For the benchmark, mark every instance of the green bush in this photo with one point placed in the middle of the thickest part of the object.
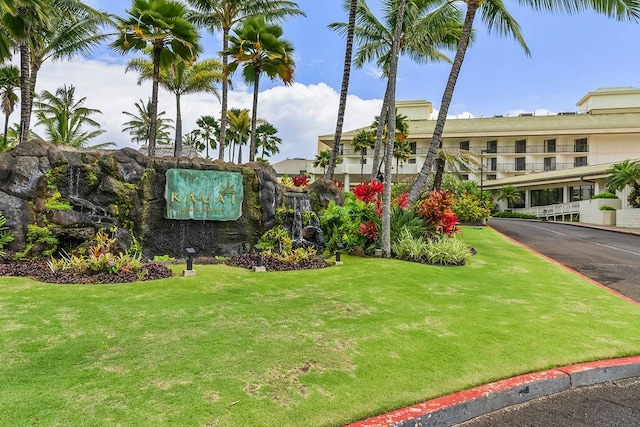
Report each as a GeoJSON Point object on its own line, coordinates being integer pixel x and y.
{"type": "Point", "coordinates": [513, 215]}
{"type": "Point", "coordinates": [405, 220]}
{"type": "Point", "coordinates": [447, 251]}
{"type": "Point", "coordinates": [607, 208]}
{"type": "Point", "coordinates": [409, 247]}
{"type": "Point", "coordinates": [341, 224]}
{"type": "Point", "coordinates": [469, 208]}
{"type": "Point", "coordinates": [5, 235]}
{"type": "Point", "coordinates": [605, 195]}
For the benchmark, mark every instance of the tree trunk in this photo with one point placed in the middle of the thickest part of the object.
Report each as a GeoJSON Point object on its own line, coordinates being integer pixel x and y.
{"type": "Point", "coordinates": [375, 166]}
{"type": "Point", "coordinates": [4, 135]}
{"type": "Point", "coordinates": [153, 114]}
{"type": "Point", "coordinates": [346, 73]}
{"type": "Point", "coordinates": [177, 147]}
{"type": "Point", "coordinates": [254, 116]}
{"type": "Point", "coordinates": [437, 178]}
{"type": "Point", "coordinates": [391, 136]}
{"type": "Point", "coordinates": [25, 92]}
{"type": "Point", "coordinates": [436, 141]}
{"type": "Point", "coordinates": [225, 94]}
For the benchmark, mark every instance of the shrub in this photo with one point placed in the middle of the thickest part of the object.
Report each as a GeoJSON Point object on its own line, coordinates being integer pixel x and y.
{"type": "Point", "coordinates": [436, 210]}
{"type": "Point", "coordinates": [506, 214]}
{"type": "Point", "coordinates": [341, 224]}
{"type": "Point", "coordinates": [469, 208]}
{"type": "Point", "coordinates": [607, 208]}
{"type": "Point", "coordinates": [605, 195]}
{"type": "Point", "coordinates": [276, 239]}
{"type": "Point", "coordinates": [300, 180]}
{"type": "Point", "coordinates": [410, 247]}
{"type": "Point", "coordinates": [5, 235]}
{"type": "Point", "coordinates": [447, 251]}
{"type": "Point", "coordinates": [406, 220]}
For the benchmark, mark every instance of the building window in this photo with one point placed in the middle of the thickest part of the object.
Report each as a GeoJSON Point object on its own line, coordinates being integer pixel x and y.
{"type": "Point", "coordinates": [521, 163]}
{"type": "Point", "coordinates": [580, 161]}
{"type": "Point", "coordinates": [583, 192]}
{"type": "Point", "coordinates": [413, 147]}
{"type": "Point", "coordinates": [464, 145]}
{"type": "Point", "coordinates": [411, 161]}
{"type": "Point", "coordinates": [521, 146]}
{"type": "Point", "coordinates": [549, 145]}
{"type": "Point", "coordinates": [520, 203]}
{"type": "Point", "coordinates": [492, 177]}
{"type": "Point", "coordinates": [549, 196]}
{"type": "Point", "coordinates": [549, 163]}
{"type": "Point", "coordinates": [580, 145]}
{"type": "Point", "coordinates": [492, 164]}
{"type": "Point", "coordinates": [492, 147]}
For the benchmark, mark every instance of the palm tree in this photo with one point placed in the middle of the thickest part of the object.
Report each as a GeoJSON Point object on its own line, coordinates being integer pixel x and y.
{"type": "Point", "coordinates": [267, 139]}
{"type": "Point", "coordinates": [139, 125]}
{"type": "Point", "coordinates": [258, 48]}
{"type": "Point", "coordinates": [181, 78]}
{"type": "Point", "coordinates": [364, 139]}
{"type": "Point", "coordinates": [344, 89]}
{"type": "Point", "coordinates": [624, 174]}
{"type": "Point", "coordinates": [497, 18]}
{"type": "Point", "coordinates": [64, 118]}
{"type": "Point", "coordinates": [459, 160]}
{"type": "Point", "coordinates": [158, 27]}
{"type": "Point", "coordinates": [9, 82]}
{"type": "Point", "coordinates": [224, 15]}
{"type": "Point", "coordinates": [239, 130]}
{"type": "Point", "coordinates": [322, 160]}
{"type": "Point", "coordinates": [208, 128]}
{"type": "Point", "coordinates": [509, 193]}
{"type": "Point", "coordinates": [401, 133]}
{"type": "Point", "coordinates": [401, 152]}
{"type": "Point", "coordinates": [427, 26]}
{"type": "Point", "coordinates": [53, 29]}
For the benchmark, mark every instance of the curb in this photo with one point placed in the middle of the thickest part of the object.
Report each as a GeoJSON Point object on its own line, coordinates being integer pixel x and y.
{"type": "Point", "coordinates": [467, 404]}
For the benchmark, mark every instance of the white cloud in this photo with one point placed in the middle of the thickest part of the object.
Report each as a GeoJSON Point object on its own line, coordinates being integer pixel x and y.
{"type": "Point", "coordinates": [300, 112]}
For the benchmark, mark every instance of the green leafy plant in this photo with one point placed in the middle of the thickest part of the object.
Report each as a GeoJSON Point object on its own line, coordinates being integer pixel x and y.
{"type": "Point", "coordinates": [469, 208]}
{"type": "Point", "coordinates": [5, 235]}
{"type": "Point", "coordinates": [406, 220]}
{"type": "Point", "coordinates": [447, 251]}
{"type": "Point", "coordinates": [607, 208]}
{"type": "Point", "coordinates": [605, 195]}
{"type": "Point", "coordinates": [56, 203]}
{"type": "Point", "coordinates": [276, 239]}
{"type": "Point", "coordinates": [409, 247]}
{"type": "Point", "coordinates": [163, 258]}
{"type": "Point", "coordinates": [42, 236]}
{"type": "Point", "coordinates": [513, 215]}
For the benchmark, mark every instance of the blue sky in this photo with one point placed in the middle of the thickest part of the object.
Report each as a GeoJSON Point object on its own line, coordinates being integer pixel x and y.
{"type": "Point", "coordinates": [570, 56]}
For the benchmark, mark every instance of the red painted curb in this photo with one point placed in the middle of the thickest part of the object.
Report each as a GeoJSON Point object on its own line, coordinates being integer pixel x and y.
{"type": "Point", "coordinates": [425, 408]}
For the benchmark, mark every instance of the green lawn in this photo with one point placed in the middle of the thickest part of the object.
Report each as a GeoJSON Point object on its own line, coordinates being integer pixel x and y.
{"type": "Point", "coordinates": [230, 347]}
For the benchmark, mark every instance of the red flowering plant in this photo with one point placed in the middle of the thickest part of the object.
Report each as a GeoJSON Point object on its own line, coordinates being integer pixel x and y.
{"type": "Point", "coordinates": [436, 210]}
{"type": "Point", "coordinates": [340, 184]}
{"type": "Point", "coordinates": [300, 180]}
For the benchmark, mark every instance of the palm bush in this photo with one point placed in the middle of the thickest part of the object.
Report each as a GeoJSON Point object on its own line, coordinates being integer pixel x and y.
{"type": "Point", "coordinates": [406, 220]}
{"type": "Point", "coordinates": [624, 174]}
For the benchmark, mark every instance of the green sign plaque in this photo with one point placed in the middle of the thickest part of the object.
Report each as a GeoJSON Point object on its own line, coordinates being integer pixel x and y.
{"type": "Point", "coordinates": [204, 195]}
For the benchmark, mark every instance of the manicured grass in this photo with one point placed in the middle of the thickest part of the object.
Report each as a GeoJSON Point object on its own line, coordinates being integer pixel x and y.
{"type": "Point", "coordinates": [231, 347]}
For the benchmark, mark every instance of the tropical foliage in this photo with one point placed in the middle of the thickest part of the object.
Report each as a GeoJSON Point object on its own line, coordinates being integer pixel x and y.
{"type": "Point", "coordinates": [139, 125]}
{"type": "Point", "coordinates": [5, 235]}
{"type": "Point", "coordinates": [9, 82]}
{"type": "Point", "coordinates": [623, 174]}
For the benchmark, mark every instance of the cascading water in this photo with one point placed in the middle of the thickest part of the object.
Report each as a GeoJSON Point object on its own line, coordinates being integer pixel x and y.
{"type": "Point", "coordinates": [302, 234]}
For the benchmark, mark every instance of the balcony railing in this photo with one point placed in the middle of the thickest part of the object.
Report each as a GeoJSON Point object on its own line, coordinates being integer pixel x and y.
{"type": "Point", "coordinates": [552, 211]}
{"type": "Point", "coordinates": [530, 167]}
{"type": "Point", "coordinates": [531, 149]}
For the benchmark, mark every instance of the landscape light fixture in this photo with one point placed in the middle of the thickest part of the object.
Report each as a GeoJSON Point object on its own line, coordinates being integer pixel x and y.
{"type": "Point", "coordinates": [259, 267]}
{"type": "Point", "coordinates": [339, 247]}
{"type": "Point", "coordinates": [190, 252]}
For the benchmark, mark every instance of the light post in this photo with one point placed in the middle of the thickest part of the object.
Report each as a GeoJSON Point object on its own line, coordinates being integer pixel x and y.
{"type": "Point", "coordinates": [259, 268]}
{"type": "Point", "coordinates": [339, 247]}
{"type": "Point", "coordinates": [189, 271]}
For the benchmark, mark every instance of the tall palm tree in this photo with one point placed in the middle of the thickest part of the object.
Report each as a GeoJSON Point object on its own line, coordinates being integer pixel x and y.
{"type": "Point", "coordinates": [344, 89]}
{"type": "Point", "coordinates": [65, 119]}
{"type": "Point", "coordinates": [181, 78]}
{"type": "Point", "coordinates": [224, 15]}
{"type": "Point", "coordinates": [158, 27]}
{"type": "Point", "coordinates": [322, 160]}
{"type": "Point", "coordinates": [427, 27]}
{"type": "Point", "coordinates": [208, 129]}
{"type": "Point", "coordinates": [267, 139]}
{"type": "Point", "coordinates": [401, 152]}
{"type": "Point", "coordinates": [139, 124]}
{"type": "Point", "coordinates": [509, 193]}
{"type": "Point", "coordinates": [497, 18]}
{"type": "Point", "coordinates": [364, 139]}
{"type": "Point", "coordinates": [53, 29]}
{"type": "Point", "coordinates": [401, 133]}
{"type": "Point", "coordinates": [624, 174]}
{"type": "Point", "coordinates": [259, 49]}
{"type": "Point", "coordinates": [239, 123]}
{"type": "Point", "coordinates": [9, 82]}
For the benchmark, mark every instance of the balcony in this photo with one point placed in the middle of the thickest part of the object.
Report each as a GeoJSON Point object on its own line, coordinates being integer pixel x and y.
{"type": "Point", "coordinates": [530, 167]}
{"type": "Point", "coordinates": [532, 149]}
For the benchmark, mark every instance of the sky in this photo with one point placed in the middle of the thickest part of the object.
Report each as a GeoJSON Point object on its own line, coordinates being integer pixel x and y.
{"type": "Point", "coordinates": [571, 55]}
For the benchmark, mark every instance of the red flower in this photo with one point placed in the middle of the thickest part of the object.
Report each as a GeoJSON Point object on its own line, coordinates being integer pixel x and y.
{"type": "Point", "coordinates": [369, 230]}
{"type": "Point", "coordinates": [300, 180]}
{"type": "Point", "coordinates": [402, 201]}
{"type": "Point", "coordinates": [339, 184]}
{"type": "Point", "coordinates": [369, 192]}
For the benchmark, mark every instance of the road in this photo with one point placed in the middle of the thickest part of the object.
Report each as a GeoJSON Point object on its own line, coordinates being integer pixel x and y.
{"type": "Point", "coordinates": [611, 258]}
{"type": "Point", "coordinates": [608, 257]}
